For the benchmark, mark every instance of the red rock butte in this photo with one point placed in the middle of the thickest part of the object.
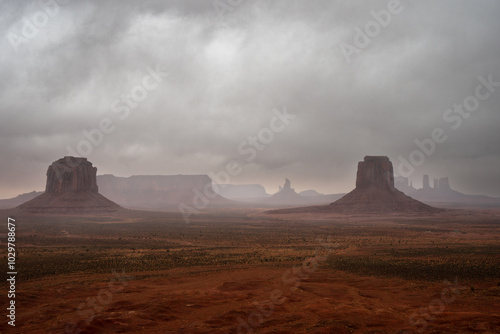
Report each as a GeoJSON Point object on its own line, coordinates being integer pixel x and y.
{"type": "Point", "coordinates": [71, 189]}
{"type": "Point", "coordinates": [375, 192]}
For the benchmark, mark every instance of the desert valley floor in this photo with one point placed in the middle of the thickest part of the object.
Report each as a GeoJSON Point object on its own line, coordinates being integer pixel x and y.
{"type": "Point", "coordinates": [248, 271]}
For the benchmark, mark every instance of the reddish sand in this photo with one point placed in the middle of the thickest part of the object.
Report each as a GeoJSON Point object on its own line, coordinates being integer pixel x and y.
{"type": "Point", "coordinates": [202, 300]}
{"type": "Point", "coordinates": [222, 297]}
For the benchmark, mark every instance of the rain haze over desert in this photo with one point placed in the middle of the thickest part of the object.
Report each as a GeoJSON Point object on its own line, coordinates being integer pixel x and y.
{"type": "Point", "coordinates": [233, 166]}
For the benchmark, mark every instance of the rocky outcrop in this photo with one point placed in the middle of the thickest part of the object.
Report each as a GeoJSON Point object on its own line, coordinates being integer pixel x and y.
{"type": "Point", "coordinates": [287, 186]}
{"type": "Point", "coordinates": [403, 184]}
{"type": "Point", "coordinates": [443, 183]}
{"type": "Point", "coordinates": [375, 192]}
{"type": "Point", "coordinates": [441, 193]}
{"type": "Point", "coordinates": [438, 185]}
{"type": "Point", "coordinates": [425, 182]}
{"type": "Point", "coordinates": [375, 171]}
{"type": "Point", "coordinates": [71, 189]}
{"type": "Point", "coordinates": [71, 174]}
{"type": "Point", "coordinates": [287, 196]}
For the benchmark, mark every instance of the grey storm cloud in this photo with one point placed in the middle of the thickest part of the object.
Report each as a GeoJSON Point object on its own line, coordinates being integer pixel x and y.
{"type": "Point", "coordinates": [356, 86]}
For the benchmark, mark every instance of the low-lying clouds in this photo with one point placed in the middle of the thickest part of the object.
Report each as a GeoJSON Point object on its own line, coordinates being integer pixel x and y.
{"type": "Point", "coordinates": [228, 67]}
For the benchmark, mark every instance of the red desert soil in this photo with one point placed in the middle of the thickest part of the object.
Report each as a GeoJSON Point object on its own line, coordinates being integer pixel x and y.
{"type": "Point", "coordinates": [202, 300]}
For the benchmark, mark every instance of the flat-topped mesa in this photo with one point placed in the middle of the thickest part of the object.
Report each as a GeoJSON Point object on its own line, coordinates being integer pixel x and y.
{"type": "Point", "coordinates": [375, 171]}
{"type": "Point", "coordinates": [71, 174]}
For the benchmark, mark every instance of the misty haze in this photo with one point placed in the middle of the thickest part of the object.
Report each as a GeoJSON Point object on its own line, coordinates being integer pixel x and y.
{"type": "Point", "coordinates": [231, 166]}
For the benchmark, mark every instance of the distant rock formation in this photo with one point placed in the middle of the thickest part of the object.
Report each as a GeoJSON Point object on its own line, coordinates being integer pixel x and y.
{"type": "Point", "coordinates": [440, 192]}
{"type": "Point", "coordinates": [71, 189]}
{"type": "Point", "coordinates": [404, 185]}
{"type": "Point", "coordinates": [18, 200]}
{"type": "Point", "coordinates": [241, 191]}
{"type": "Point", "coordinates": [443, 183]}
{"type": "Point", "coordinates": [375, 192]}
{"type": "Point", "coordinates": [287, 196]}
{"type": "Point", "coordinates": [310, 193]}
{"type": "Point", "coordinates": [160, 191]}
{"type": "Point", "coordinates": [256, 194]}
{"type": "Point", "coordinates": [425, 182]}
{"type": "Point", "coordinates": [287, 186]}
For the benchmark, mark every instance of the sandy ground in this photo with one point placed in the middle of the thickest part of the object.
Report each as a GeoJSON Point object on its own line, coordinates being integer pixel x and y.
{"type": "Point", "coordinates": [279, 294]}
{"type": "Point", "coordinates": [254, 299]}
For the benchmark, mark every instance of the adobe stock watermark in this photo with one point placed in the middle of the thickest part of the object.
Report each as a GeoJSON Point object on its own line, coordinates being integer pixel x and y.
{"type": "Point", "coordinates": [372, 29]}
{"type": "Point", "coordinates": [454, 117]}
{"type": "Point", "coordinates": [122, 107]}
{"type": "Point", "coordinates": [248, 149]}
{"type": "Point", "coordinates": [88, 310]}
{"type": "Point", "coordinates": [224, 7]}
{"type": "Point", "coordinates": [423, 315]}
{"type": "Point", "coordinates": [31, 25]}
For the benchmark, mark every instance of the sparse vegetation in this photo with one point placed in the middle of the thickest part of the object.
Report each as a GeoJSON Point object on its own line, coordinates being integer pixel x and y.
{"type": "Point", "coordinates": [419, 269]}
{"type": "Point", "coordinates": [406, 248]}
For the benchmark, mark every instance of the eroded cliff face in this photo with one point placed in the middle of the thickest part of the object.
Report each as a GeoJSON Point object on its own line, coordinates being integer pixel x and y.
{"type": "Point", "coordinates": [375, 171]}
{"type": "Point", "coordinates": [71, 174]}
{"type": "Point", "coordinates": [375, 191]}
{"type": "Point", "coordinates": [71, 189]}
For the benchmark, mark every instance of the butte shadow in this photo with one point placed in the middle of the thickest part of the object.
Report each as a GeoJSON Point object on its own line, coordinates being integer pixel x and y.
{"type": "Point", "coordinates": [374, 194]}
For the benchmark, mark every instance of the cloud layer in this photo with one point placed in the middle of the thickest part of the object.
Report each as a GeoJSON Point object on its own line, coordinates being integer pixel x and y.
{"type": "Point", "coordinates": [222, 70]}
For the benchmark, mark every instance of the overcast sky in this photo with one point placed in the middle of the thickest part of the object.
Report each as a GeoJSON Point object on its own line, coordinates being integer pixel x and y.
{"type": "Point", "coordinates": [177, 87]}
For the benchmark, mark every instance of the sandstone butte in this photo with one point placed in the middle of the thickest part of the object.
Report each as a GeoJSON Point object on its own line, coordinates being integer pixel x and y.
{"type": "Point", "coordinates": [375, 191]}
{"type": "Point", "coordinates": [374, 194]}
{"type": "Point", "coordinates": [71, 189]}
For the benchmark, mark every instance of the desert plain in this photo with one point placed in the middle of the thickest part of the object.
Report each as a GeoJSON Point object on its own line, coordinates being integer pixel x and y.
{"type": "Point", "coordinates": [251, 271]}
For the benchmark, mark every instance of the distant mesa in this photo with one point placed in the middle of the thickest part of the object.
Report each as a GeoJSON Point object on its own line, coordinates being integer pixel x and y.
{"type": "Point", "coordinates": [310, 193]}
{"type": "Point", "coordinates": [162, 192]}
{"type": "Point", "coordinates": [241, 191]}
{"type": "Point", "coordinates": [440, 192]}
{"type": "Point", "coordinates": [374, 193]}
{"type": "Point", "coordinates": [71, 189]}
{"type": "Point", "coordinates": [255, 194]}
{"type": "Point", "coordinates": [18, 200]}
